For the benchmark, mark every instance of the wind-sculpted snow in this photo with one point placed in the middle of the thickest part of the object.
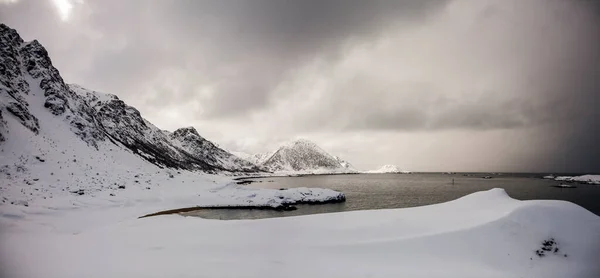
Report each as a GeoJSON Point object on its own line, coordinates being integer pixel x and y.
{"type": "Point", "coordinates": [485, 234]}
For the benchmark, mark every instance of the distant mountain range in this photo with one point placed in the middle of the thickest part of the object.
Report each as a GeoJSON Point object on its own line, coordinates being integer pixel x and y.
{"type": "Point", "coordinates": [299, 156]}
{"type": "Point", "coordinates": [388, 169]}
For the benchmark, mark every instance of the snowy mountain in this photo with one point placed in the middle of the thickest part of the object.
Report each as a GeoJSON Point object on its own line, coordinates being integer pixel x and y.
{"type": "Point", "coordinates": [387, 169]}
{"type": "Point", "coordinates": [189, 140]}
{"type": "Point", "coordinates": [302, 156]}
{"type": "Point", "coordinates": [345, 164]}
{"type": "Point", "coordinates": [34, 96]}
{"type": "Point", "coordinates": [255, 159]}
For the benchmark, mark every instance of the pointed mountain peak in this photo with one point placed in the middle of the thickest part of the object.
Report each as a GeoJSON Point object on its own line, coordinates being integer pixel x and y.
{"type": "Point", "coordinates": [9, 35]}
{"type": "Point", "coordinates": [300, 143]}
{"type": "Point", "coordinates": [91, 96]}
{"type": "Point", "coordinates": [185, 131]}
{"type": "Point", "coordinates": [302, 155]}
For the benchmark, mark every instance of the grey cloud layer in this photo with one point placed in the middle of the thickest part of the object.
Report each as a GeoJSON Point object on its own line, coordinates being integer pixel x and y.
{"type": "Point", "coordinates": [257, 72]}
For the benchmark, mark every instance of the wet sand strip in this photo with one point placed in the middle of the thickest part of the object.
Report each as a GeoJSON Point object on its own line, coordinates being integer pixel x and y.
{"type": "Point", "coordinates": [188, 209]}
{"type": "Point", "coordinates": [281, 207]}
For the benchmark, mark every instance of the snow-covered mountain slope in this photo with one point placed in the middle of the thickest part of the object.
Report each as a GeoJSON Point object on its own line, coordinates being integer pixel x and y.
{"type": "Point", "coordinates": [303, 156]}
{"type": "Point", "coordinates": [188, 139]}
{"type": "Point", "coordinates": [345, 164]}
{"type": "Point", "coordinates": [387, 169]}
{"type": "Point", "coordinates": [256, 159]}
{"type": "Point", "coordinates": [184, 148]}
{"type": "Point", "coordinates": [32, 90]}
{"type": "Point", "coordinates": [57, 138]}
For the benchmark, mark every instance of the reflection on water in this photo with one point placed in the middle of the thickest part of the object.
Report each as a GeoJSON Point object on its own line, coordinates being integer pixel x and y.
{"type": "Point", "coordinates": [381, 191]}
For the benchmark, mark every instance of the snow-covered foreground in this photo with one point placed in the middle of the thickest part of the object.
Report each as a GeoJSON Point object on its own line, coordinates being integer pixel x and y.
{"type": "Point", "coordinates": [485, 234]}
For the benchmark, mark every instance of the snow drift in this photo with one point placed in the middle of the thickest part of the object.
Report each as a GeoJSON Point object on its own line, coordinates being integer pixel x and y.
{"type": "Point", "coordinates": [485, 234]}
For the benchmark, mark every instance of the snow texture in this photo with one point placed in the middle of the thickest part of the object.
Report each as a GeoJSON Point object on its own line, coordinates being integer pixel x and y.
{"type": "Point", "coordinates": [485, 234]}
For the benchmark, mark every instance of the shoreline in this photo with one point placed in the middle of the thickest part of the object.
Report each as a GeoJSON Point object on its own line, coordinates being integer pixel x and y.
{"type": "Point", "coordinates": [282, 207]}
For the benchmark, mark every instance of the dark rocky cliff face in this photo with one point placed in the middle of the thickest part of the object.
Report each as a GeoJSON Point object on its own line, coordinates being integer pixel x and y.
{"type": "Point", "coordinates": [13, 85]}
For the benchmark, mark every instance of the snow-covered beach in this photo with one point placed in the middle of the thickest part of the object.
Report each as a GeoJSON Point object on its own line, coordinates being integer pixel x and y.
{"type": "Point", "coordinates": [485, 234]}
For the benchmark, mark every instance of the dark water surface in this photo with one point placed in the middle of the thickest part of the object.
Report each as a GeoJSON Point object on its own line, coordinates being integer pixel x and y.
{"type": "Point", "coordinates": [384, 191]}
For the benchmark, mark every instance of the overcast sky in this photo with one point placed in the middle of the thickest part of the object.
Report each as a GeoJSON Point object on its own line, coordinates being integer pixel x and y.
{"type": "Point", "coordinates": [457, 85]}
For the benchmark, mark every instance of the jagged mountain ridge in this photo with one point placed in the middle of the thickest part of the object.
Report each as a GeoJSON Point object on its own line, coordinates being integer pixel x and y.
{"type": "Point", "coordinates": [189, 140]}
{"type": "Point", "coordinates": [28, 79]}
{"type": "Point", "coordinates": [24, 63]}
{"type": "Point", "coordinates": [256, 159]}
{"type": "Point", "coordinates": [302, 155]}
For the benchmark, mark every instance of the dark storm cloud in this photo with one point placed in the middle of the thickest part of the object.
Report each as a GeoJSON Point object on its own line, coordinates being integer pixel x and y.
{"type": "Point", "coordinates": [535, 68]}
{"type": "Point", "coordinates": [240, 48]}
{"type": "Point", "coordinates": [250, 73]}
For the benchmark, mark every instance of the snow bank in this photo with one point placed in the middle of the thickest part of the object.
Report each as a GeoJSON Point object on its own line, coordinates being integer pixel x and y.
{"type": "Point", "coordinates": [591, 179]}
{"type": "Point", "coordinates": [234, 195]}
{"type": "Point", "coordinates": [485, 234]}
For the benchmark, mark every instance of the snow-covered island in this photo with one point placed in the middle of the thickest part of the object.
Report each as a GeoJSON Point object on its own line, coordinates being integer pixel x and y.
{"type": "Point", "coordinates": [78, 168]}
{"type": "Point", "coordinates": [590, 179]}
{"type": "Point", "coordinates": [299, 157]}
{"type": "Point", "coordinates": [388, 169]}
